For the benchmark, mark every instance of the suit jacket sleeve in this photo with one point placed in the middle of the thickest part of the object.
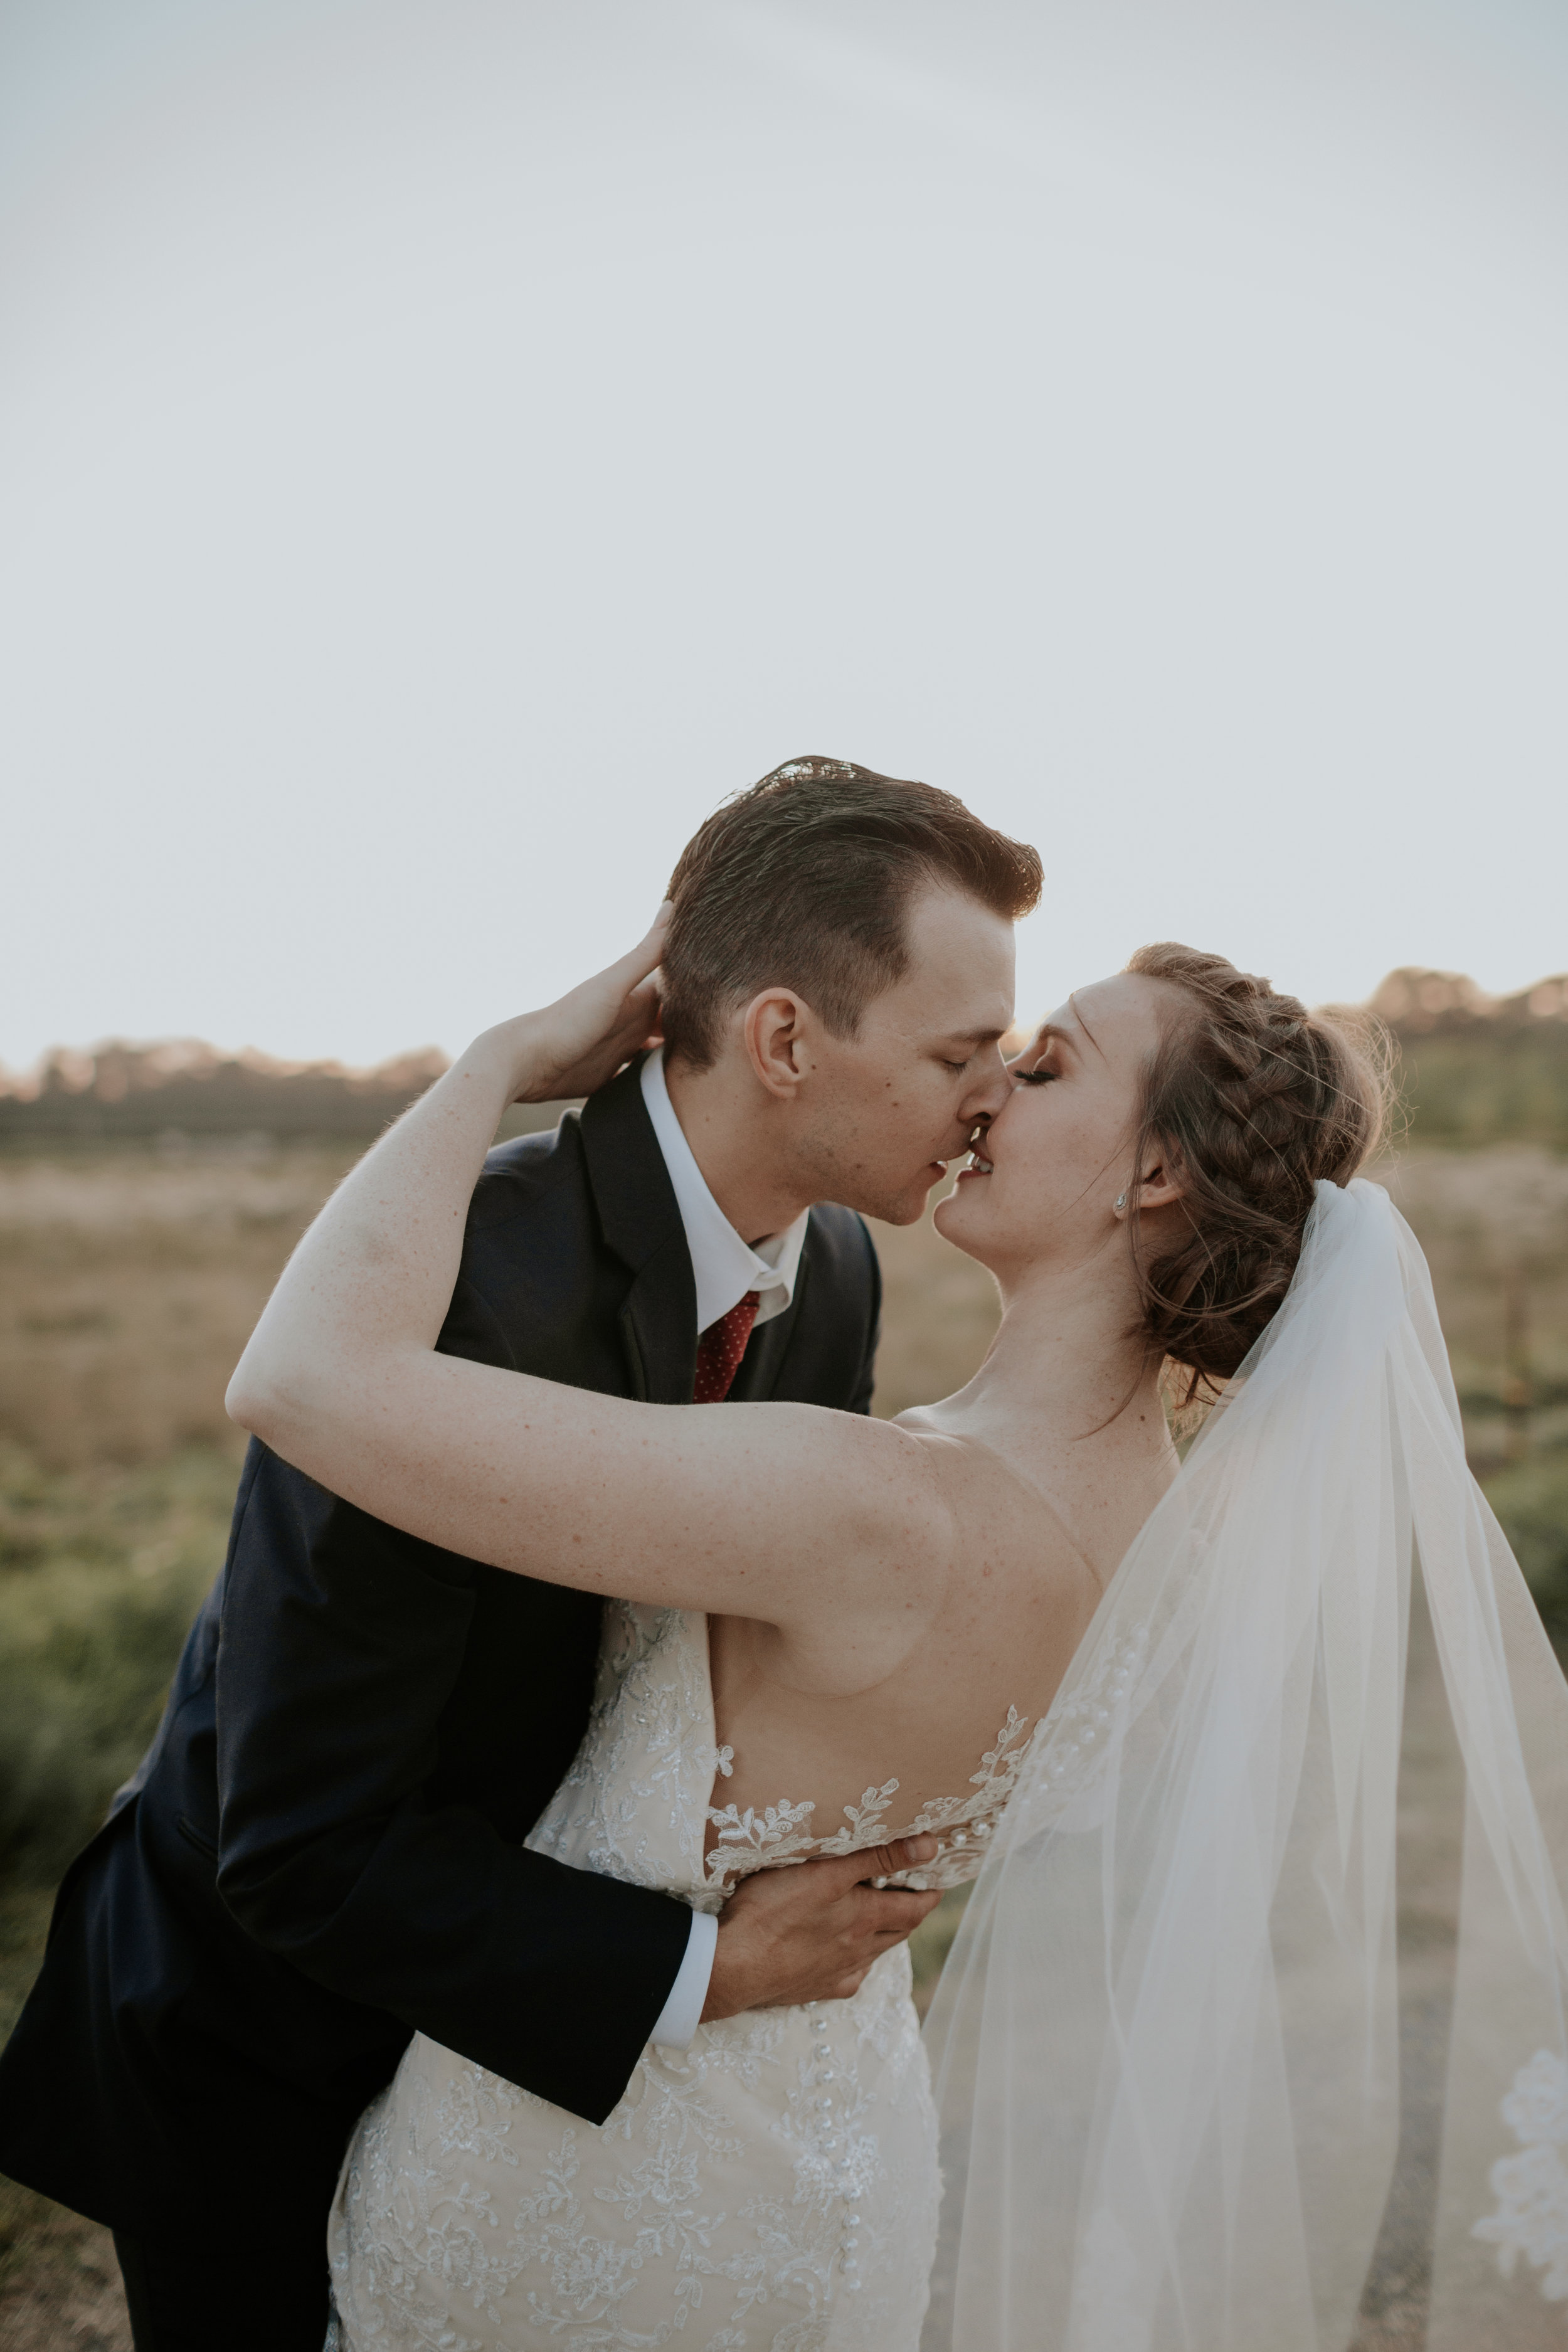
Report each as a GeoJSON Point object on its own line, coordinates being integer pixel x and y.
{"type": "Point", "coordinates": [341, 1642]}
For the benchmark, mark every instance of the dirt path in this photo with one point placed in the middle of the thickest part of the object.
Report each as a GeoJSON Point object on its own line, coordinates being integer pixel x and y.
{"type": "Point", "coordinates": [60, 2291]}
{"type": "Point", "coordinates": [1431, 1785]}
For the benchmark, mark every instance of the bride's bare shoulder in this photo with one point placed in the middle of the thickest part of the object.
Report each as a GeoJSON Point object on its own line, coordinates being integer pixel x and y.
{"type": "Point", "coordinates": [1008, 1517]}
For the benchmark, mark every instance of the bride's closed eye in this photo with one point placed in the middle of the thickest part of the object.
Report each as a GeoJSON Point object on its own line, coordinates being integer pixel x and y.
{"type": "Point", "coordinates": [1033, 1077]}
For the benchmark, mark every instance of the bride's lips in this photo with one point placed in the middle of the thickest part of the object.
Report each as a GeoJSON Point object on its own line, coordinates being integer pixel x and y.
{"type": "Point", "coordinates": [978, 1165]}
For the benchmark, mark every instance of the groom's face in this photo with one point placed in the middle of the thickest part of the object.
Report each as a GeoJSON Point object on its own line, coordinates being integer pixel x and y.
{"type": "Point", "coordinates": [889, 1107]}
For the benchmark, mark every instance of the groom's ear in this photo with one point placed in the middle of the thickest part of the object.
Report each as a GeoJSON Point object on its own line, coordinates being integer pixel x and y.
{"type": "Point", "coordinates": [771, 1031]}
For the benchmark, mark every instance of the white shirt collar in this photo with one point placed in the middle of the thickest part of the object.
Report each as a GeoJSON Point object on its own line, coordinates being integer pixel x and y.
{"type": "Point", "coordinates": [725, 1266]}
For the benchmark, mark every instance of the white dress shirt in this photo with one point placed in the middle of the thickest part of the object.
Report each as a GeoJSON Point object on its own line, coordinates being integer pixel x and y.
{"type": "Point", "coordinates": [725, 1268]}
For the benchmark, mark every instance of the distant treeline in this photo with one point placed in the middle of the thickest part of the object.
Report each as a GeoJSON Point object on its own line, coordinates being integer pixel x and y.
{"type": "Point", "coordinates": [1472, 1069]}
{"type": "Point", "coordinates": [1475, 1069]}
{"type": "Point", "coordinates": [186, 1089]}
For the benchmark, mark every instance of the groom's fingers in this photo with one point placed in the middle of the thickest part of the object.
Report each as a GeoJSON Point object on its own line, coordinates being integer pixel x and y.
{"type": "Point", "coordinates": [904, 1853]}
{"type": "Point", "coordinates": [875, 1865]}
{"type": "Point", "coordinates": [874, 1862]}
{"type": "Point", "coordinates": [811, 1932]}
{"type": "Point", "coordinates": [882, 1915]}
{"type": "Point", "coordinates": [896, 1912]}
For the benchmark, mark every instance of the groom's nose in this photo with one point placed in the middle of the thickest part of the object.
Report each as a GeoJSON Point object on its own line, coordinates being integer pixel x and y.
{"type": "Point", "coordinates": [983, 1100]}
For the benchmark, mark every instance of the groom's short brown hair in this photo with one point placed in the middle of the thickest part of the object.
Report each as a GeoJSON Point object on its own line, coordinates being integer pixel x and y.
{"type": "Point", "coordinates": [803, 881]}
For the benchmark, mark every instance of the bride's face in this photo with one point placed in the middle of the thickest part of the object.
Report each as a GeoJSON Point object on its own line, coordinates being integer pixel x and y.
{"type": "Point", "coordinates": [1045, 1178]}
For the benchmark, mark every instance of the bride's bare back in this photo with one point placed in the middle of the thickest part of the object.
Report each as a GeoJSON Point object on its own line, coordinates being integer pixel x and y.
{"type": "Point", "coordinates": [825, 1743]}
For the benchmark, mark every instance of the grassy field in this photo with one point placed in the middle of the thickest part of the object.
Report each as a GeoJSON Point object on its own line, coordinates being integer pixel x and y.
{"type": "Point", "coordinates": [129, 1279]}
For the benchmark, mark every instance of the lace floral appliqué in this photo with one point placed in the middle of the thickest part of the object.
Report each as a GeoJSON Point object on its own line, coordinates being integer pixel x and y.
{"type": "Point", "coordinates": [750, 1840]}
{"type": "Point", "coordinates": [1532, 2188]}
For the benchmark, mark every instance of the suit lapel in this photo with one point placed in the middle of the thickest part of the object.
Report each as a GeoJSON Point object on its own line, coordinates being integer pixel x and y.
{"type": "Point", "coordinates": [658, 1326]}
{"type": "Point", "coordinates": [765, 1357]}
{"type": "Point", "coordinates": [641, 1224]}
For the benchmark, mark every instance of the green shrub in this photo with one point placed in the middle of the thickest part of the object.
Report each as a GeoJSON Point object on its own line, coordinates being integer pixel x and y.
{"type": "Point", "coordinates": [1531, 1499]}
{"type": "Point", "coordinates": [1491, 1083]}
{"type": "Point", "coordinates": [102, 1575]}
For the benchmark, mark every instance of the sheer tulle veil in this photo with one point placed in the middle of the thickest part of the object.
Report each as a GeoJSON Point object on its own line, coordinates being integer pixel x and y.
{"type": "Point", "coordinates": [1166, 2043]}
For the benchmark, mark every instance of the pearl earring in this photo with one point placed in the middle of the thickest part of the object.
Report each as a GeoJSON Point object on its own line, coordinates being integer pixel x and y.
{"type": "Point", "coordinates": [1121, 1200]}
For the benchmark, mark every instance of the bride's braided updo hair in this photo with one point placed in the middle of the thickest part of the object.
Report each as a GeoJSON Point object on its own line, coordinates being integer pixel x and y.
{"type": "Point", "coordinates": [1251, 1099]}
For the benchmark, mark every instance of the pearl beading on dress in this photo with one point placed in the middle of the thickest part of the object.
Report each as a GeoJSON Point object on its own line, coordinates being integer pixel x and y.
{"type": "Point", "coordinates": [823, 2076]}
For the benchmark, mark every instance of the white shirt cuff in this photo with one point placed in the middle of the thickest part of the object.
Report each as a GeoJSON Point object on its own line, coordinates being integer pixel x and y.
{"type": "Point", "coordinates": [682, 2012]}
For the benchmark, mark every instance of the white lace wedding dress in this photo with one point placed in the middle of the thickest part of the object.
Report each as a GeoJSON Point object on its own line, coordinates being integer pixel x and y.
{"type": "Point", "coordinates": [775, 2186]}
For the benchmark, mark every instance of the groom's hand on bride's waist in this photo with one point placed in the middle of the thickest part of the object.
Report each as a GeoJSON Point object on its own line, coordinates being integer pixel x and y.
{"type": "Point", "coordinates": [809, 1932]}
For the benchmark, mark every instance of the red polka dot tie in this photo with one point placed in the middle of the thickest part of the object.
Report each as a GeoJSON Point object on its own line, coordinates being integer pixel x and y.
{"type": "Point", "coordinates": [720, 1348]}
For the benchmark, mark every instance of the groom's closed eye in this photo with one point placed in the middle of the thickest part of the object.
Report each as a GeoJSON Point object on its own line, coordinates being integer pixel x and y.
{"type": "Point", "coordinates": [964, 1052]}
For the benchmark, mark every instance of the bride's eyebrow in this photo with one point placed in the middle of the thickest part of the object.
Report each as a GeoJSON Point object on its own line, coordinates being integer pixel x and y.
{"type": "Point", "coordinates": [1072, 1007]}
{"type": "Point", "coordinates": [1048, 1033]}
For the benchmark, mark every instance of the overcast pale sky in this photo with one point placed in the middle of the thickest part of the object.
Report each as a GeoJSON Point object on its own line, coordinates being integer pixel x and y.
{"type": "Point", "coordinates": [447, 444]}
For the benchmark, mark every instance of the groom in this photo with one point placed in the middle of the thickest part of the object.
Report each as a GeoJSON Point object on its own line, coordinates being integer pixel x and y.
{"type": "Point", "coordinates": [321, 1852]}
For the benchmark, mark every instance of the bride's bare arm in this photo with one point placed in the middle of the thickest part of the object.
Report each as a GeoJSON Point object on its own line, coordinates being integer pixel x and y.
{"type": "Point", "coordinates": [766, 1511]}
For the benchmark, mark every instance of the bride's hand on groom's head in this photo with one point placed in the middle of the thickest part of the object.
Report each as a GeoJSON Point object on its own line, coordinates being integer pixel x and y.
{"type": "Point", "coordinates": [810, 1931]}
{"type": "Point", "coordinates": [576, 1045]}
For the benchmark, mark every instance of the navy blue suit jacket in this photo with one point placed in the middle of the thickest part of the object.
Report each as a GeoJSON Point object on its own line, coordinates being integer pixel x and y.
{"type": "Point", "coordinates": [321, 1854]}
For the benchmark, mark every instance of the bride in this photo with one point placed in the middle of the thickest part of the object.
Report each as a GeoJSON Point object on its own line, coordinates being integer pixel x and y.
{"type": "Point", "coordinates": [1155, 1708]}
